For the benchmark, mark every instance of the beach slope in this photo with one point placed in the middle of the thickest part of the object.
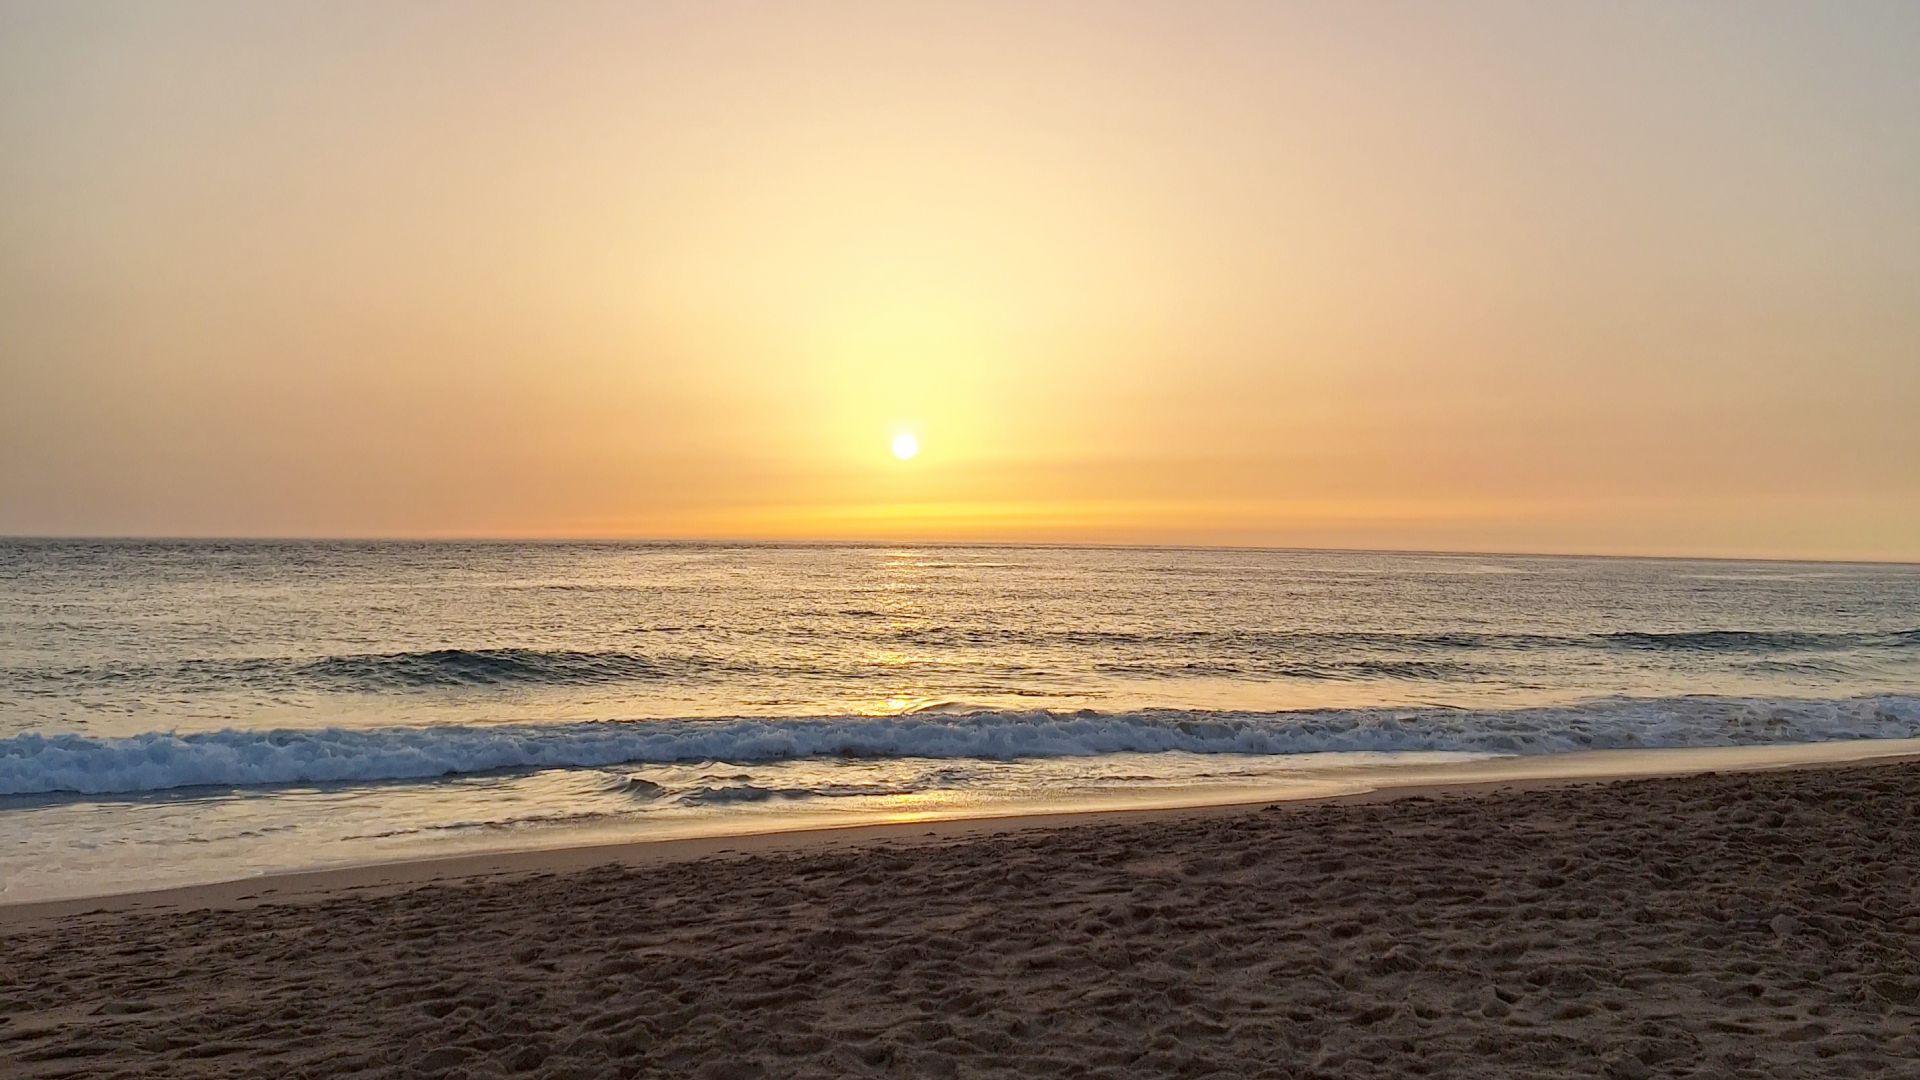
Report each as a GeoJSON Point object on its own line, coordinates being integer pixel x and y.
{"type": "Point", "coordinates": [1753, 924]}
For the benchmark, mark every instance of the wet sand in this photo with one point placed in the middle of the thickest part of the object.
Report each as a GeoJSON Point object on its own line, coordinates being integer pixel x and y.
{"type": "Point", "coordinates": [1750, 924]}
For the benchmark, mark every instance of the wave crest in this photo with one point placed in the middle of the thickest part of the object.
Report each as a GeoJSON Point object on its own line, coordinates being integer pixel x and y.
{"type": "Point", "coordinates": [1760, 640]}
{"type": "Point", "coordinates": [155, 761]}
{"type": "Point", "coordinates": [487, 667]}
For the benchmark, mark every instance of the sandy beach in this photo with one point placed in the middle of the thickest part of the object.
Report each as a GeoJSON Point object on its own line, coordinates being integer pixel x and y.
{"type": "Point", "coordinates": [748, 541]}
{"type": "Point", "coordinates": [1750, 924]}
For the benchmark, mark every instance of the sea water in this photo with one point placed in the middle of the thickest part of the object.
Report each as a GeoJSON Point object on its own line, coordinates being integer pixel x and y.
{"type": "Point", "coordinates": [190, 711]}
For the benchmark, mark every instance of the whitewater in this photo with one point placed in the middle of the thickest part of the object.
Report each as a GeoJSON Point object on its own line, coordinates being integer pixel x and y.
{"type": "Point", "coordinates": [175, 712]}
{"type": "Point", "coordinates": [159, 761]}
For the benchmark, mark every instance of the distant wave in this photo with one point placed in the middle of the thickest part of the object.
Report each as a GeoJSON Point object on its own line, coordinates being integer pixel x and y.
{"type": "Point", "coordinates": [494, 667]}
{"type": "Point", "coordinates": [155, 761]}
{"type": "Point", "coordinates": [1235, 640]}
{"type": "Point", "coordinates": [386, 672]}
{"type": "Point", "coordinates": [1282, 643]}
{"type": "Point", "coordinates": [1280, 667]}
{"type": "Point", "coordinates": [1301, 654]}
{"type": "Point", "coordinates": [1760, 640]}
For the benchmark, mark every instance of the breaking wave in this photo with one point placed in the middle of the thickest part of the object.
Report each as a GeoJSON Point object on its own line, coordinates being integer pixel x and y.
{"type": "Point", "coordinates": [156, 761]}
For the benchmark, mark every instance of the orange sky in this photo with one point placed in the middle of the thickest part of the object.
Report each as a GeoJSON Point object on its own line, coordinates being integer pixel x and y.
{"type": "Point", "coordinates": [1624, 278]}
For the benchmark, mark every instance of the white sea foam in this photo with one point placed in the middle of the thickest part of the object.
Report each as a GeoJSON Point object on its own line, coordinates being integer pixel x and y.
{"type": "Point", "coordinates": [155, 761]}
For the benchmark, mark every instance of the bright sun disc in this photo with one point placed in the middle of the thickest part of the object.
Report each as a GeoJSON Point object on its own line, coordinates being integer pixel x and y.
{"type": "Point", "coordinates": [905, 445]}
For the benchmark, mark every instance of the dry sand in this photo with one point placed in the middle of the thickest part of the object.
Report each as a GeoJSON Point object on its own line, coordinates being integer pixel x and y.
{"type": "Point", "coordinates": [1754, 924]}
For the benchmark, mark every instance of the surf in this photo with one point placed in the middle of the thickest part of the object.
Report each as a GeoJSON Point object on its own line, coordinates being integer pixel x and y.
{"type": "Point", "coordinates": [38, 764]}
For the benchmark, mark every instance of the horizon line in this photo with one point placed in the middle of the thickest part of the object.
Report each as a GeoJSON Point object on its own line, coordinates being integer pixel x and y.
{"type": "Point", "coordinates": [873, 542]}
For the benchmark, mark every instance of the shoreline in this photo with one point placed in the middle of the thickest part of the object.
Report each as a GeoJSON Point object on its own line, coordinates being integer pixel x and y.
{"type": "Point", "coordinates": [1493, 776]}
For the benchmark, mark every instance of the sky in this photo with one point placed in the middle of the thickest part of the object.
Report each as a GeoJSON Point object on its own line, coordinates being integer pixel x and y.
{"type": "Point", "coordinates": [1612, 277]}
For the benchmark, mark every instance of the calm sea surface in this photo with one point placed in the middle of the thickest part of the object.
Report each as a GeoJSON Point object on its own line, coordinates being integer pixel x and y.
{"type": "Point", "coordinates": [184, 711]}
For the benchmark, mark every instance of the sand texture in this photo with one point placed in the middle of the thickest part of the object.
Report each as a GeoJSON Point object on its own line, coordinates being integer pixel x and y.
{"type": "Point", "coordinates": [1760, 924]}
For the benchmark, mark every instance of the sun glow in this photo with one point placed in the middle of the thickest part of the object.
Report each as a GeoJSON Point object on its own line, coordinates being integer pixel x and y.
{"type": "Point", "coordinates": [905, 446]}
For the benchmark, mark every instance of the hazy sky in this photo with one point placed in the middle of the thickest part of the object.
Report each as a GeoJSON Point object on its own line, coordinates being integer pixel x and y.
{"type": "Point", "coordinates": [1613, 277]}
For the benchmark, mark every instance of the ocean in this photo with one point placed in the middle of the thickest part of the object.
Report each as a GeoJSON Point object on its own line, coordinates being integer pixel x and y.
{"type": "Point", "coordinates": [180, 712]}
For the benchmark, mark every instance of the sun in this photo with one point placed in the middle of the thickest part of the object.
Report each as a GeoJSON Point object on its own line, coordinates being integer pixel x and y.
{"type": "Point", "coordinates": [905, 446]}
